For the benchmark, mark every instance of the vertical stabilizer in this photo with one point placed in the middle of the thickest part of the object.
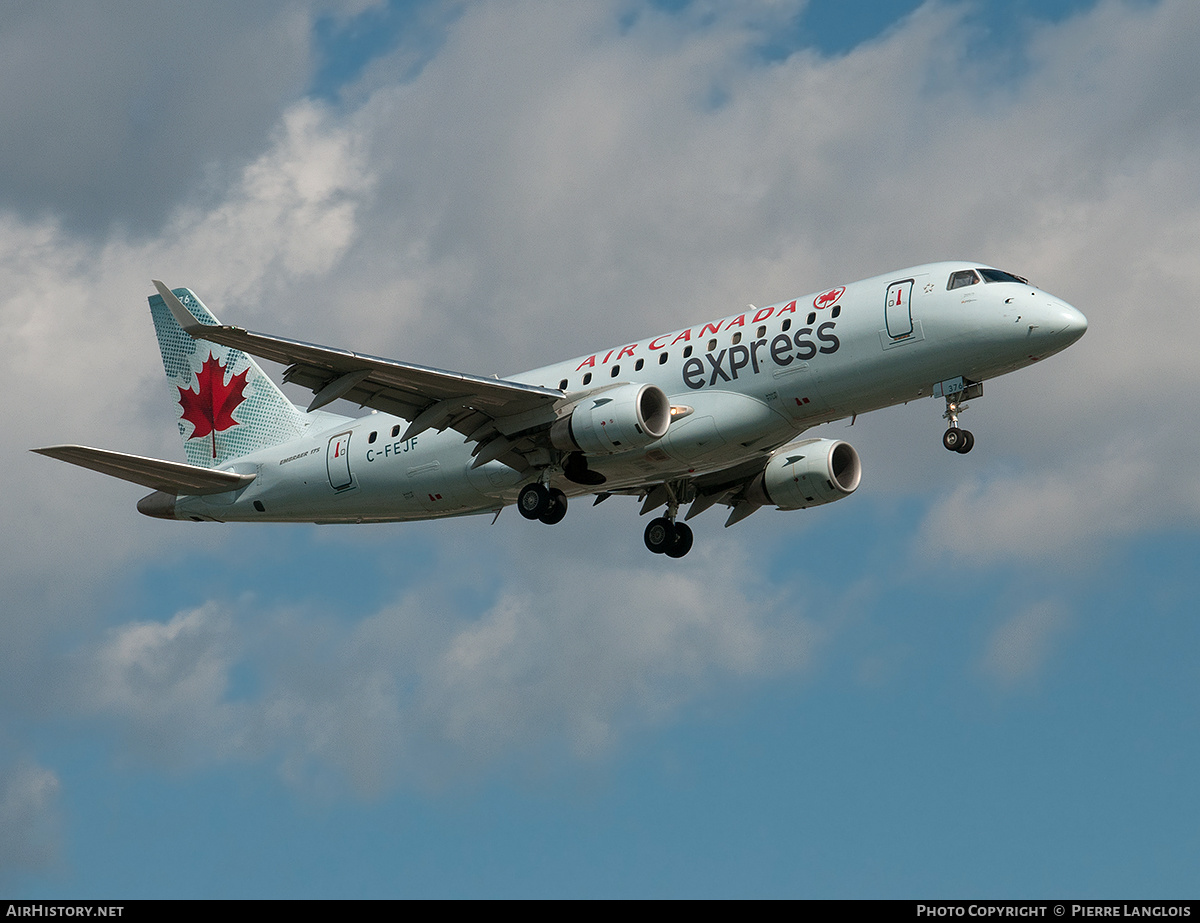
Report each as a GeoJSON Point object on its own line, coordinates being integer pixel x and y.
{"type": "Point", "coordinates": [227, 406]}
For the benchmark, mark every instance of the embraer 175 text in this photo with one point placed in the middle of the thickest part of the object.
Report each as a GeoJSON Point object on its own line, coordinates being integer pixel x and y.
{"type": "Point", "coordinates": [704, 415]}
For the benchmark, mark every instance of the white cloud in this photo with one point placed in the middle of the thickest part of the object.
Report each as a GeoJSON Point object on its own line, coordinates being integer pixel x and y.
{"type": "Point", "coordinates": [568, 657]}
{"type": "Point", "coordinates": [1018, 648]}
{"type": "Point", "coordinates": [29, 817]}
{"type": "Point", "coordinates": [168, 682]}
{"type": "Point", "coordinates": [590, 649]}
{"type": "Point", "coordinates": [1066, 516]}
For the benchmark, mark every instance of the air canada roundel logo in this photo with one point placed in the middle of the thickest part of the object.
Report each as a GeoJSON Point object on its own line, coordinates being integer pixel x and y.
{"type": "Point", "coordinates": [210, 409]}
{"type": "Point", "coordinates": [828, 299]}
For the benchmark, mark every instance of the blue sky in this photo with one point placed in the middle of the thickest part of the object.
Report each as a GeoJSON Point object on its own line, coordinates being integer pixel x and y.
{"type": "Point", "coordinates": [974, 678]}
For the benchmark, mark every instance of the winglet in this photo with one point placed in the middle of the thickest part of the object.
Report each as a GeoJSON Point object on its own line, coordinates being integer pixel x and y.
{"type": "Point", "coordinates": [182, 315]}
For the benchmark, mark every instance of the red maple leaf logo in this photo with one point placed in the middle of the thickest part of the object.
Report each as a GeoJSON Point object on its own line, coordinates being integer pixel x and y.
{"type": "Point", "coordinates": [211, 408]}
{"type": "Point", "coordinates": [825, 299]}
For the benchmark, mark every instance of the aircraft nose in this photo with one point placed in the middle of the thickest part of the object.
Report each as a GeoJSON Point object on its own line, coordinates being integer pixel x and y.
{"type": "Point", "coordinates": [1052, 322]}
{"type": "Point", "coordinates": [1068, 324]}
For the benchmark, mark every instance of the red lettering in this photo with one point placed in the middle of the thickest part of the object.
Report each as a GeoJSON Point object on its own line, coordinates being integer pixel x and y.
{"type": "Point", "coordinates": [686, 335]}
{"type": "Point", "coordinates": [789, 309]}
{"type": "Point", "coordinates": [589, 362]}
{"type": "Point", "coordinates": [739, 321]}
{"type": "Point", "coordinates": [715, 328]}
{"type": "Point", "coordinates": [656, 339]}
{"type": "Point", "coordinates": [627, 351]}
{"type": "Point", "coordinates": [605, 358]}
{"type": "Point", "coordinates": [763, 314]}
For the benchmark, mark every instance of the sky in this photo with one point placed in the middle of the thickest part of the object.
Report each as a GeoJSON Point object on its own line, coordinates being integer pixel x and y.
{"type": "Point", "coordinates": [976, 677]}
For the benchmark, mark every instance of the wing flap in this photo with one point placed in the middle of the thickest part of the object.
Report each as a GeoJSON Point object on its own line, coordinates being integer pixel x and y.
{"type": "Point", "coordinates": [157, 474]}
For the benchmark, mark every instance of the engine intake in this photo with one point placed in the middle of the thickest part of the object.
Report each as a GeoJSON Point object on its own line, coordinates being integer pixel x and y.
{"type": "Point", "coordinates": [623, 418]}
{"type": "Point", "coordinates": [807, 473]}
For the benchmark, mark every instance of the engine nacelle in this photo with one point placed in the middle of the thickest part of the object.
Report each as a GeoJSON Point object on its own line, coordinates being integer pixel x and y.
{"type": "Point", "coordinates": [623, 418]}
{"type": "Point", "coordinates": [807, 473]}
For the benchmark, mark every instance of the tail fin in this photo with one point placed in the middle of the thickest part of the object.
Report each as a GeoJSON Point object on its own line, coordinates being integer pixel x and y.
{"type": "Point", "coordinates": [227, 406]}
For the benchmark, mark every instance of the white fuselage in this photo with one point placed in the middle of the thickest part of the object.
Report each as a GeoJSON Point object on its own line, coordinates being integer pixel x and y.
{"type": "Point", "coordinates": [752, 381]}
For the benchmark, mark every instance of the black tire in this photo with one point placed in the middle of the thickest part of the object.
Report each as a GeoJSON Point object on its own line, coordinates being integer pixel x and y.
{"type": "Point", "coordinates": [556, 509]}
{"type": "Point", "coordinates": [533, 501]}
{"type": "Point", "coordinates": [968, 442]}
{"type": "Point", "coordinates": [953, 438]}
{"type": "Point", "coordinates": [683, 541]}
{"type": "Point", "coordinates": [660, 534]}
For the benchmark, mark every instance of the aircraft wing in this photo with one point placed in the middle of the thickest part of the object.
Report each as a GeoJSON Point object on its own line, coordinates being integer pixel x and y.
{"type": "Point", "coordinates": [487, 411]}
{"type": "Point", "coordinates": [171, 477]}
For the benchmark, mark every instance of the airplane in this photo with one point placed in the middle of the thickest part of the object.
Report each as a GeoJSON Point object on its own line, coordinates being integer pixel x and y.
{"type": "Point", "coordinates": [709, 414]}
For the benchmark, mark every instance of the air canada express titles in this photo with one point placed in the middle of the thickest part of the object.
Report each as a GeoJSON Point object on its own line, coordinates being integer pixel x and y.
{"type": "Point", "coordinates": [781, 349]}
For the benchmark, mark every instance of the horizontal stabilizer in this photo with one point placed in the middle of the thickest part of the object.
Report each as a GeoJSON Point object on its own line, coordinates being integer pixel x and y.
{"type": "Point", "coordinates": [168, 476]}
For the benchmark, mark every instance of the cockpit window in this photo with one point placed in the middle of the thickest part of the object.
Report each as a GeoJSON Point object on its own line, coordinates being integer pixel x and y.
{"type": "Point", "coordinates": [962, 278]}
{"type": "Point", "coordinates": [996, 275]}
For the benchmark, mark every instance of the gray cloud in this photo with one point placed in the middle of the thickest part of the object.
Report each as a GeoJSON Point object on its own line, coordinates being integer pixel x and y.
{"type": "Point", "coordinates": [115, 112]}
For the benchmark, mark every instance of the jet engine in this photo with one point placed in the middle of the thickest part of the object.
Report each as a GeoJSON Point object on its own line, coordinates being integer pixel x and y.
{"type": "Point", "coordinates": [622, 418]}
{"type": "Point", "coordinates": [807, 473]}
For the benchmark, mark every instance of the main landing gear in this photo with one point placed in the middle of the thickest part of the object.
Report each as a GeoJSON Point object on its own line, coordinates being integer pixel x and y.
{"type": "Point", "coordinates": [663, 535]}
{"type": "Point", "coordinates": [674, 539]}
{"type": "Point", "coordinates": [537, 501]}
{"type": "Point", "coordinates": [666, 536]}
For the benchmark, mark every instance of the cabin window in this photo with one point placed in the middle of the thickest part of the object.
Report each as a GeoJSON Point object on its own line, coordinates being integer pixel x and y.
{"type": "Point", "coordinates": [712, 344]}
{"type": "Point", "coordinates": [687, 351]}
{"type": "Point", "coordinates": [762, 332]}
{"type": "Point", "coordinates": [371, 438]}
{"type": "Point", "coordinates": [962, 278]}
{"type": "Point", "coordinates": [615, 371]}
{"type": "Point", "coordinates": [395, 431]}
{"type": "Point", "coordinates": [737, 338]}
{"type": "Point", "coordinates": [587, 378]}
{"type": "Point", "coordinates": [662, 358]}
{"type": "Point", "coordinates": [562, 385]}
{"type": "Point", "coordinates": [837, 309]}
{"type": "Point", "coordinates": [638, 365]}
{"type": "Point", "coordinates": [812, 318]}
{"type": "Point", "coordinates": [787, 324]}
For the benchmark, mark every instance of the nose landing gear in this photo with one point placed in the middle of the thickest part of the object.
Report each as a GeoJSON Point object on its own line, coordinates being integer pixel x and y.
{"type": "Point", "coordinates": [956, 439]}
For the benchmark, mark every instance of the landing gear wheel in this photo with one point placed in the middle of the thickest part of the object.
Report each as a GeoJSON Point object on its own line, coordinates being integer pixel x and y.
{"type": "Point", "coordinates": [534, 500]}
{"type": "Point", "coordinates": [682, 543]}
{"type": "Point", "coordinates": [967, 443]}
{"type": "Point", "coordinates": [660, 534]}
{"type": "Point", "coordinates": [953, 438]}
{"type": "Point", "coordinates": [556, 509]}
